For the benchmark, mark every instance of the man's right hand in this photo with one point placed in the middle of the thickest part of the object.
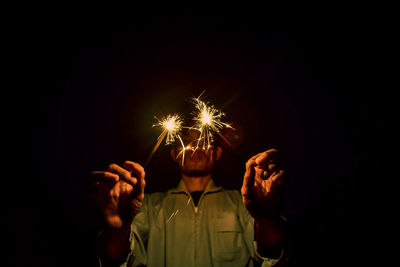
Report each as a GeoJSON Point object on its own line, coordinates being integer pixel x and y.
{"type": "Point", "coordinates": [119, 192]}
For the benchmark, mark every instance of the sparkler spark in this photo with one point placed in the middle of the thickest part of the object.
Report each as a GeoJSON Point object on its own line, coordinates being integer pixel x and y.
{"type": "Point", "coordinates": [172, 126]}
{"type": "Point", "coordinates": [183, 151]}
{"type": "Point", "coordinates": [208, 122]}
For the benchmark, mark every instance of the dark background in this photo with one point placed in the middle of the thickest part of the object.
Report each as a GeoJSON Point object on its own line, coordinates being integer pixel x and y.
{"type": "Point", "coordinates": [296, 81]}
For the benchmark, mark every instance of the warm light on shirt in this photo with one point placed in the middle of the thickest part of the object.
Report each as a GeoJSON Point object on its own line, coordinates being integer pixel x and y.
{"type": "Point", "coordinates": [171, 231]}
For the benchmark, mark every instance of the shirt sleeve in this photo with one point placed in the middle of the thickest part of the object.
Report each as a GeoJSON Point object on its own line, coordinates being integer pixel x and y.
{"type": "Point", "coordinates": [137, 240]}
{"type": "Point", "coordinates": [267, 262]}
{"type": "Point", "coordinates": [141, 227]}
{"type": "Point", "coordinates": [139, 236]}
{"type": "Point", "coordinates": [120, 262]}
{"type": "Point", "coordinates": [247, 223]}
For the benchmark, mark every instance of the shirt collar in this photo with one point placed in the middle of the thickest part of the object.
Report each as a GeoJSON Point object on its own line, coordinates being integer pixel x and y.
{"type": "Point", "coordinates": [211, 187]}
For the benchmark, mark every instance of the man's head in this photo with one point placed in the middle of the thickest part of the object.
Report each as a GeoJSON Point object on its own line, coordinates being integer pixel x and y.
{"type": "Point", "coordinates": [195, 162]}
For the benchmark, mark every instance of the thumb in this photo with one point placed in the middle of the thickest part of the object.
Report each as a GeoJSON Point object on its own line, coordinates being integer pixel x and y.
{"type": "Point", "coordinates": [249, 177]}
{"type": "Point", "coordinates": [138, 171]}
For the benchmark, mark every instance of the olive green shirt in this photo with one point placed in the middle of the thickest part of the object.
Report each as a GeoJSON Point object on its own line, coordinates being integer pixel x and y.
{"type": "Point", "coordinates": [171, 231]}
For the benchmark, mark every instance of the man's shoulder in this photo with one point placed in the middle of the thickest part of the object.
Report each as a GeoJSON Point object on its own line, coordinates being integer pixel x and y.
{"type": "Point", "coordinates": [154, 197]}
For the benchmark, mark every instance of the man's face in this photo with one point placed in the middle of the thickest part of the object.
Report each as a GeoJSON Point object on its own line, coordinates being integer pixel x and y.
{"type": "Point", "coordinates": [195, 162]}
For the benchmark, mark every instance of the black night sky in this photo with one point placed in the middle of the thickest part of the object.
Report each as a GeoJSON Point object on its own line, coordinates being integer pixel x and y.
{"type": "Point", "coordinates": [291, 82]}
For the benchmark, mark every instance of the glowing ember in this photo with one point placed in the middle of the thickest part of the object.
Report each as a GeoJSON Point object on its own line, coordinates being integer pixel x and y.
{"type": "Point", "coordinates": [207, 122]}
{"type": "Point", "coordinates": [172, 125]}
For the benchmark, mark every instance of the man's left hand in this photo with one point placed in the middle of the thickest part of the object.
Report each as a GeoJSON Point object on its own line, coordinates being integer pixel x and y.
{"type": "Point", "coordinates": [262, 189]}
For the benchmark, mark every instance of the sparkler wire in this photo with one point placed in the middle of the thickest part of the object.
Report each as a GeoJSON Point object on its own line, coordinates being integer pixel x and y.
{"type": "Point", "coordinates": [160, 139]}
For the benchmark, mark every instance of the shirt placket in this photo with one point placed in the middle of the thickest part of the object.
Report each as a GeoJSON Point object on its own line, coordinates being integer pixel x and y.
{"type": "Point", "coordinates": [197, 221]}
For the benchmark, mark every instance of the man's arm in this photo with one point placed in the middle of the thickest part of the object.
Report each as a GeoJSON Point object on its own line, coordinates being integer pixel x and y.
{"type": "Point", "coordinates": [262, 195]}
{"type": "Point", "coordinates": [270, 236]}
{"type": "Point", "coordinates": [115, 244]}
{"type": "Point", "coordinates": [119, 196]}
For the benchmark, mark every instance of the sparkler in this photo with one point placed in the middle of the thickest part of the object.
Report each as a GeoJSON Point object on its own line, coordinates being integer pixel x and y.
{"type": "Point", "coordinates": [208, 122]}
{"type": "Point", "coordinates": [189, 147]}
{"type": "Point", "coordinates": [172, 126]}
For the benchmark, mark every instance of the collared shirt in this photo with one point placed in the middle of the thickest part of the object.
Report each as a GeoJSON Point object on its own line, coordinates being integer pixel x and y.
{"type": "Point", "coordinates": [171, 231]}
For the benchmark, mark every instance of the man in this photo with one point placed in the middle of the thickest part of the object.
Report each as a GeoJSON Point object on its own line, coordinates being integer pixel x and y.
{"type": "Point", "coordinates": [197, 223]}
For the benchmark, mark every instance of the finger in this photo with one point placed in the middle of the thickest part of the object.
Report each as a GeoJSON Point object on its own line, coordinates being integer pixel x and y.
{"type": "Point", "coordinates": [249, 177]}
{"type": "Point", "coordinates": [268, 170]}
{"type": "Point", "coordinates": [267, 156]}
{"type": "Point", "coordinates": [272, 167]}
{"type": "Point", "coordinates": [122, 173]}
{"type": "Point", "coordinates": [134, 167]}
{"type": "Point", "coordinates": [252, 159]}
{"type": "Point", "coordinates": [264, 175]}
{"type": "Point", "coordinates": [140, 174]}
{"type": "Point", "coordinates": [255, 156]}
{"type": "Point", "coordinates": [102, 176]}
{"type": "Point", "coordinates": [95, 185]}
{"type": "Point", "coordinates": [278, 177]}
{"type": "Point", "coordinates": [126, 188]}
{"type": "Point", "coordinates": [100, 191]}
